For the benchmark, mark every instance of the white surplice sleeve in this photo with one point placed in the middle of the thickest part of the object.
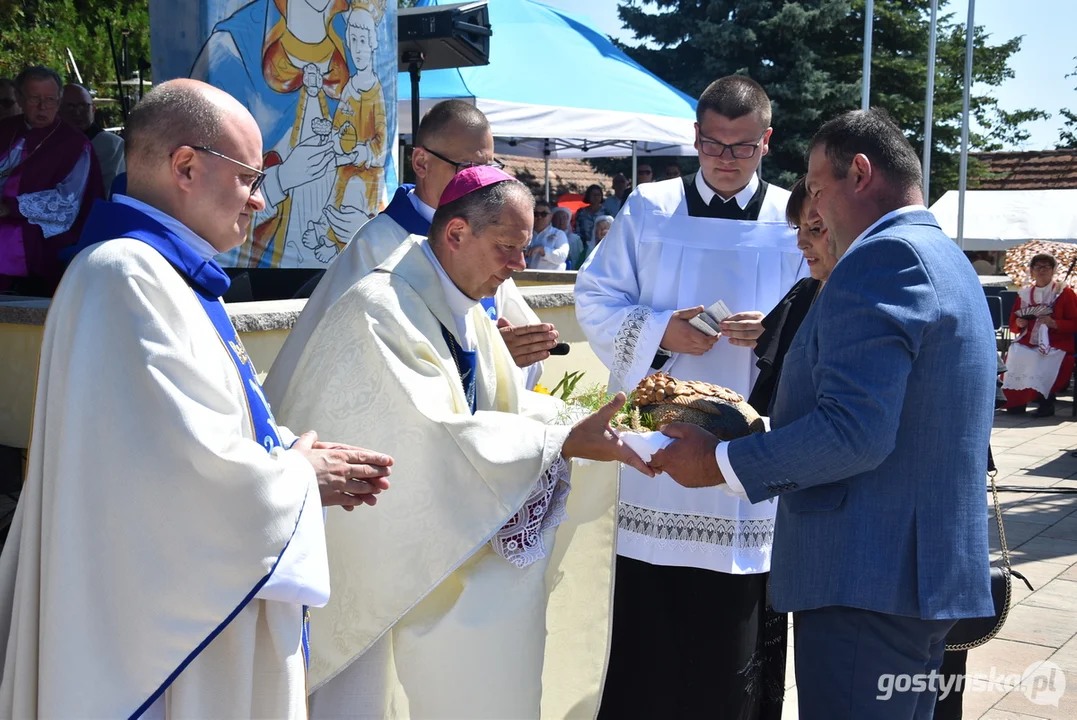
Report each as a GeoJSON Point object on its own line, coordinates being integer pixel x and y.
{"type": "Point", "coordinates": [624, 333]}
{"type": "Point", "coordinates": [302, 573]}
{"type": "Point", "coordinates": [55, 210]}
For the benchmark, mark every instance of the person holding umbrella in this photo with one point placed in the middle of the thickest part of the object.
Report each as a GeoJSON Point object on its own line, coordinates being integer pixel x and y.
{"type": "Point", "coordinates": [1043, 320]}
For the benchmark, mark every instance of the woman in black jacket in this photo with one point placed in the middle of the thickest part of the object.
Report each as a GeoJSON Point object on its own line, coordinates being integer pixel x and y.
{"type": "Point", "coordinates": [781, 324]}
{"type": "Point", "coordinates": [779, 327]}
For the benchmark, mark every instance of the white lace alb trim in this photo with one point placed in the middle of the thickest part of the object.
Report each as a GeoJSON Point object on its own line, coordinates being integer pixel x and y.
{"type": "Point", "coordinates": [624, 344]}
{"type": "Point", "coordinates": [520, 540]}
{"type": "Point", "coordinates": [54, 210]}
{"type": "Point", "coordinates": [688, 528]}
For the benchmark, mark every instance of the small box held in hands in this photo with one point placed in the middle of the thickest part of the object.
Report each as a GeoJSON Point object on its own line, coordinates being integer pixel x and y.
{"type": "Point", "coordinates": [707, 321]}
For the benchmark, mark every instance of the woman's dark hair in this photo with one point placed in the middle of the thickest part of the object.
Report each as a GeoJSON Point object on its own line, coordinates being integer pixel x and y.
{"type": "Point", "coordinates": [1043, 257]}
{"type": "Point", "coordinates": [798, 199]}
{"type": "Point", "coordinates": [589, 190]}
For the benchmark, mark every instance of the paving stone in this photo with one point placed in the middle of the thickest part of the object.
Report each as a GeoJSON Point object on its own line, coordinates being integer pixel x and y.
{"type": "Point", "coordinates": [1066, 528]}
{"type": "Point", "coordinates": [1017, 530]}
{"type": "Point", "coordinates": [1057, 594]}
{"type": "Point", "coordinates": [1005, 715]}
{"type": "Point", "coordinates": [1042, 508]}
{"type": "Point", "coordinates": [1039, 626]}
{"type": "Point", "coordinates": [995, 658]}
{"type": "Point", "coordinates": [1038, 572]}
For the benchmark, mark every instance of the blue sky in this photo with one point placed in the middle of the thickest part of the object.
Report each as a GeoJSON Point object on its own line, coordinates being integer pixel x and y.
{"type": "Point", "coordinates": [1040, 68]}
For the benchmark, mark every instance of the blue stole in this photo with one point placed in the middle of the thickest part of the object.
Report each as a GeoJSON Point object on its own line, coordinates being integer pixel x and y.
{"type": "Point", "coordinates": [404, 213]}
{"type": "Point", "coordinates": [467, 364]}
{"type": "Point", "coordinates": [108, 221]}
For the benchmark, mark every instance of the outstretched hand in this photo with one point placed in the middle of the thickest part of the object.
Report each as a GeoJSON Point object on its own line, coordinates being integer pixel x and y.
{"type": "Point", "coordinates": [689, 459]}
{"type": "Point", "coordinates": [594, 439]}
{"type": "Point", "coordinates": [347, 475]}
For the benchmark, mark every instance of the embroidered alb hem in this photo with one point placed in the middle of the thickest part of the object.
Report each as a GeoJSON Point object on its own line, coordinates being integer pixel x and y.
{"type": "Point", "coordinates": [687, 530]}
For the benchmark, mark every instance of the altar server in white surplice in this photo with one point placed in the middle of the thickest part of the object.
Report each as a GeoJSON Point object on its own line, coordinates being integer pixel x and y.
{"type": "Point", "coordinates": [169, 533]}
{"type": "Point", "coordinates": [481, 587]}
{"type": "Point", "coordinates": [692, 566]}
{"type": "Point", "coordinates": [453, 135]}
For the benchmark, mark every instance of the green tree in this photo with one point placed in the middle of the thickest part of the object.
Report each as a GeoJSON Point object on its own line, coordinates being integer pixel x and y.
{"type": "Point", "coordinates": [1067, 134]}
{"type": "Point", "coordinates": [42, 31]}
{"type": "Point", "coordinates": [808, 55]}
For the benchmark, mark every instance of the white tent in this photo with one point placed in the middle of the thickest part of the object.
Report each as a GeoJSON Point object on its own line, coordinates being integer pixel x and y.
{"type": "Point", "coordinates": [556, 87]}
{"type": "Point", "coordinates": [1001, 219]}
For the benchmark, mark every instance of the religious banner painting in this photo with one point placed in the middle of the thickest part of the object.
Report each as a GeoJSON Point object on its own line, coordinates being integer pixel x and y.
{"type": "Point", "coordinates": [319, 76]}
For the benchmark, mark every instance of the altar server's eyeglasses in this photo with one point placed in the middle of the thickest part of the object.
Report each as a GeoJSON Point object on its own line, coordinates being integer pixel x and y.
{"type": "Point", "coordinates": [740, 151]}
{"type": "Point", "coordinates": [259, 175]}
{"type": "Point", "coordinates": [463, 165]}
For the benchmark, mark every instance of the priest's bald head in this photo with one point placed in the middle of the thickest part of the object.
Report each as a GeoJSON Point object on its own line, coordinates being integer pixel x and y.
{"type": "Point", "coordinates": [480, 230]}
{"type": "Point", "coordinates": [195, 152]}
{"type": "Point", "coordinates": [452, 135]}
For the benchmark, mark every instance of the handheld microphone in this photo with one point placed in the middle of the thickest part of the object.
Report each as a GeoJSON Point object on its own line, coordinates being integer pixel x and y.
{"type": "Point", "coordinates": [560, 349]}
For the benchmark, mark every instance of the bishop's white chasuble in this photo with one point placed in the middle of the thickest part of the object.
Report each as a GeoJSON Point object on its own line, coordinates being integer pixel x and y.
{"type": "Point", "coordinates": [429, 617]}
{"type": "Point", "coordinates": [655, 260]}
{"type": "Point", "coordinates": [371, 246]}
{"type": "Point", "coordinates": [159, 504]}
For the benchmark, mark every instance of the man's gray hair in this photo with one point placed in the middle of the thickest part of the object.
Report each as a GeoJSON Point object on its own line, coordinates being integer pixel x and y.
{"type": "Point", "coordinates": [481, 208]}
{"type": "Point", "coordinates": [38, 72]}
{"type": "Point", "coordinates": [169, 117]}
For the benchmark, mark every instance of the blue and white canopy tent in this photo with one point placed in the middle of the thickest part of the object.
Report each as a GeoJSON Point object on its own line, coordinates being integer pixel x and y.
{"type": "Point", "coordinates": [556, 86]}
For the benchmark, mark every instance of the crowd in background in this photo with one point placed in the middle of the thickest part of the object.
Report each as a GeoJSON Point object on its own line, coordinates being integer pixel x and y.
{"type": "Point", "coordinates": [55, 160]}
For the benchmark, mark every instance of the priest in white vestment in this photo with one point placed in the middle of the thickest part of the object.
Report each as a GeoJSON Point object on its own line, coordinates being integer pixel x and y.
{"type": "Point", "coordinates": [169, 533]}
{"type": "Point", "coordinates": [692, 565]}
{"type": "Point", "coordinates": [453, 135]}
{"type": "Point", "coordinates": [481, 587]}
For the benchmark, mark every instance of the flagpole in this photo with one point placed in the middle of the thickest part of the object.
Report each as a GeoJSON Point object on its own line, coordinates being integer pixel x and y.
{"type": "Point", "coordinates": [865, 83]}
{"type": "Point", "coordinates": [929, 101]}
{"type": "Point", "coordinates": [970, 33]}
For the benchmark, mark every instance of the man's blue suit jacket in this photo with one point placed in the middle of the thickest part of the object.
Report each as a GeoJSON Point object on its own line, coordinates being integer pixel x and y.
{"type": "Point", "coordinates": [880, 428]}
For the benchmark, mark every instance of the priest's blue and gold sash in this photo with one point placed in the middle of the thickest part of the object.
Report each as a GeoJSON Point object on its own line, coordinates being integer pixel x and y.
{"type": "Point", "coordinates": [208, 281]}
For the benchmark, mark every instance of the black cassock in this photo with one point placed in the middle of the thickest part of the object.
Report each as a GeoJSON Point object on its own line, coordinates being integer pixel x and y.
{"type": "Point", "coordinates": [693, 643]}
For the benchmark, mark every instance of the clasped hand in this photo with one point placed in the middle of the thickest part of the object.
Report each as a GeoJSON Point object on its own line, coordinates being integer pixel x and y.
{"type": "Point", "coordinates": [690, 458]}
{"type": "Point", "coordinates": [347, 475]}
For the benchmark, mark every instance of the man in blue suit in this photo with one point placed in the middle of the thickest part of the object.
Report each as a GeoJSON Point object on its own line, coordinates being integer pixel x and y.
{"type": "Point", "coordinates": [880, 427]}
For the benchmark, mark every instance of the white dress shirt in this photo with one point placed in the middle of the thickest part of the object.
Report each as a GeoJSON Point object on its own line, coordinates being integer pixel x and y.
{"type": "Point", "coordinates": [743, 197]}
{"type": "Point", "coordinates": [422, 208]}
{"type": "Point", "coordinates": [721, 453]}
{"type": "Point", "coordinates": [459, 304]}
{"type": "Point", "coordinates": [555, 245]}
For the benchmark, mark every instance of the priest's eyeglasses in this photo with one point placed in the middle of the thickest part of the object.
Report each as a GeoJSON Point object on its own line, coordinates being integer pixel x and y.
{"type": "Point", "coordinates": [740, 151]}
{"type": "Point", "coordinates": [463, 165]}
{"type": "Point", "coordinates": [259, 175]}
